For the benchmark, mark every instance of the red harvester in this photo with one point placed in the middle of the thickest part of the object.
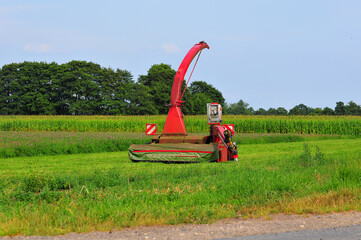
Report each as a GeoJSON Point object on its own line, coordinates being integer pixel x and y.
{"type": "Point", "coordinates": [174, 145]}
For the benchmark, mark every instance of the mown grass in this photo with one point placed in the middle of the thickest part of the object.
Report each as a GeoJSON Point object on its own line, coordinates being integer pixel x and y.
{"type": "Point", "coordinates": [104, 191]}
{"type": "Point", "coordinates": [20, 143]}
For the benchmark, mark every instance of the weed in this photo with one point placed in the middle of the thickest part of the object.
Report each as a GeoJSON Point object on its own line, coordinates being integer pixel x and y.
{"type": "Point", "coordinates": [307, 159]}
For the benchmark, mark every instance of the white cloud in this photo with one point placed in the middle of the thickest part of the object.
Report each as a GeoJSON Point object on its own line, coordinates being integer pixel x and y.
{"type": "Point", "coordinates": [40, 48]}
{"type": "Point", "coordinates": [170, 48]}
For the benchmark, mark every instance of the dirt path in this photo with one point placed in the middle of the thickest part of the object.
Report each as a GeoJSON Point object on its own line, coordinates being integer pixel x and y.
{"type": "Point", "coordinates": [222, 229]}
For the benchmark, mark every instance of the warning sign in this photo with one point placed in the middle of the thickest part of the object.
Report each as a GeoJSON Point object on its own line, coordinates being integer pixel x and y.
{"type": "Point", "coordinates": [150, 128]}
{"type": "Point", "coordinates": [229, 127]}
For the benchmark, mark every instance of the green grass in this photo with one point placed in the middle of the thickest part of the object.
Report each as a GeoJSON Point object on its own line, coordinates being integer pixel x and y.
{"type": "Point", "coordinates": [19, 143]}
{"type": "Point", "coordinates": [103, 191]}
{"type": "Point", "coordinates": [35, 143]}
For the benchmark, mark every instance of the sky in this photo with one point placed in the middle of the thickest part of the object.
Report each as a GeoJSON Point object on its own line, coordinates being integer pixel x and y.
{"type": "Point", "coordinates": [278, 53]}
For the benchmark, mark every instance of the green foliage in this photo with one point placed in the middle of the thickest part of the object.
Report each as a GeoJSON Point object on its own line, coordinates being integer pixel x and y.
{"type": "Point", "coordinates": [90, 192]}
{"type": "Point", "coordinates": [340, 108]}
{"type": "Point", "coordinates": [159, 80]}
{"type": "Point", "coordinates": [239, 108]}
{"type": "Point", "coordinates": [352, 109]}
{"type": "Point", "coordinates": [272, 111]}
{"type": "Point", "coordinates": [141, 101]}
{"type": "Point", "coordinates": [211, 94]}
{"type": "Point", "coordinates": [77, 87]}
{"type": "Point", "coordinates": [282, 111]}
{"type": "Point", "coordinates": [198, 103]}
{"type": "Point", "coordinates": [86, 88]}
{"type": "Point", "coordinates": [243, 124]}
{"type": "Point", "coordinates": [301, 109]}
{"type": "Point", "coordinates": [307, 159]}
{"type": "Point", "coordinates": [328, 111]}
{"type": "Point", "coordinates": [260, 111]}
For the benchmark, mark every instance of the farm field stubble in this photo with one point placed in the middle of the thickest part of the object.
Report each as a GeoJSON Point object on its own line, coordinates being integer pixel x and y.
{"type": "Point", "coordinates": [104, 191]}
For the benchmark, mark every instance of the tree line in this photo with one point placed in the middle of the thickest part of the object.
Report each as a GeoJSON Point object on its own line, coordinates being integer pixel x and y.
{"type": "Point", "coordinates": [86, 88]}
{"type": "Point", "coordinates": [241, 107]}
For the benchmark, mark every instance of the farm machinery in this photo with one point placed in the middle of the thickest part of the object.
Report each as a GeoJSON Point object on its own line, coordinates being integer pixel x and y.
{"type": "Point", "coordinates": [174, 145]}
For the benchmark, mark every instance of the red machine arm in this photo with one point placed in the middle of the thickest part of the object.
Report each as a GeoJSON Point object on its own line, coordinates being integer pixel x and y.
{"type": "Point", "coordinates": [174, 124]}
{"type": "Point", "coordinates": [175, 96]}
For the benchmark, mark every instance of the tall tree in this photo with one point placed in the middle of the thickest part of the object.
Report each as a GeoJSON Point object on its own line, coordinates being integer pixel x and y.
{"type": "Point", "coordinates": [328, 111]}
{"type": "Point", "coordinates": [340, 108]}
{"type": "Point", "coordinates": [260, 111]}
{"type": "Point", "coordinates": [26, 89]}
{"type": "Point", "coordinates": [77, 87]}
{"type": "Point", "coordinates": [352, 109]}
{"type": "Point", "coordinates": [300, 109]}
{"type": "Point", "coordinates": [159, 79]}
{"type": "Point", "coordinates": [239, 108]}
{"type": "Point", "coordinates": [272, 111]}
{"type": "Point", "coordinates": [141, 101]}
{"type": "Point", "coordinates": [211, 92]}
{"type": "Point", "coordinates": [317, 111]}
{"type": "Point", "coordinates": [282, 111]}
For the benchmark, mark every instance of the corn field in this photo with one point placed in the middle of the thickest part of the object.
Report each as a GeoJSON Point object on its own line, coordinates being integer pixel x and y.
{"type": "Point", "coordinates": [342, 125]}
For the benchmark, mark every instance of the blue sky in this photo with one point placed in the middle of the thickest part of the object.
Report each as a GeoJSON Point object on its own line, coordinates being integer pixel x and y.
{"type": "Point", "coordinates": [267, 53]}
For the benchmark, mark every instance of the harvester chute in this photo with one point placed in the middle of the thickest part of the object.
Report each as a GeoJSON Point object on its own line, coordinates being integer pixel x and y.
{"type": "Point", "coordinates": [174, 145]}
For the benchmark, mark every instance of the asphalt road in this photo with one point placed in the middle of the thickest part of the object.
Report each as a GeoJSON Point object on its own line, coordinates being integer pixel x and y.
{"type": "Point", "coordinates": [340, 233]}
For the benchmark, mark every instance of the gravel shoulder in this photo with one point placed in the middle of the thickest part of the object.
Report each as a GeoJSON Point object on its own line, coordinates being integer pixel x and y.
{"type": "Point", "coordinates": [222, 229]}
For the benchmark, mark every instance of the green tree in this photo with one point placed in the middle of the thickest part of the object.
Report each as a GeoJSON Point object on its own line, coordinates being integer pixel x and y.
{"type": "Point", "coordinates": [141, 101]}
{"type": "Point", "coordinates": [211, 92]}
{"type": "Point", "coordinates": [300, 109]}
{"type": "Point", "coordinates": [239, 108]}
{"type": "Point", "coordinates": [26, 89]}
{"type": "Point", "coordinates": [328, 111]}
{"type": "Point", "coordinates": [77, 87]}
{"type": "Point", "coordinates": [317, 111]}
{"type": "Point", "coordinates": [282, 111]}
{"type": "Point", "coordinates": [260, 111]}
{"type": "Point", "coordinates": [294, 111]}
{"type": "Point", "coordinates": [340, 108]}
{"type": "Point", "coordinates": [159, 79]}
{"type": "Point", "coordinates": [352, 109]}
{"type": "Point", "coordinates": [199, 103]}
{"type": "Point", "coordinates": [272, 111]}
{"type": "Point", "coordinates": [87, 88]}
{"type": "Point", "coordinates": [116, 90]}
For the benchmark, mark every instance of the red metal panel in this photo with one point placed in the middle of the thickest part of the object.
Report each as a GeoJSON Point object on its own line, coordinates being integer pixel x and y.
{"type": "Point", "coordinates": [222, 153]}
{"type": "Point", "coordinates": [150, 129]}
{"type": "Point", "coordinates": [174, 125]}
{"type": "Point", "coordinates": [229, 127]}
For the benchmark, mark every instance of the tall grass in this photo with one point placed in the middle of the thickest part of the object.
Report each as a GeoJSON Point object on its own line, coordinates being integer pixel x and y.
{"type": "Point", "coordinates": [88, 197]}
{"type": "Point", "coordinates": [342, 125]}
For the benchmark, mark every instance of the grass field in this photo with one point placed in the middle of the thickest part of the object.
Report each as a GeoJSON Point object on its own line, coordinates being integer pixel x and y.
{"type": "Point", "coordinates": [61, 174]}
{"type": "Point", "coordinates": [104, 191]}
{"type": "Point", "coordinates": [36, 143]}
